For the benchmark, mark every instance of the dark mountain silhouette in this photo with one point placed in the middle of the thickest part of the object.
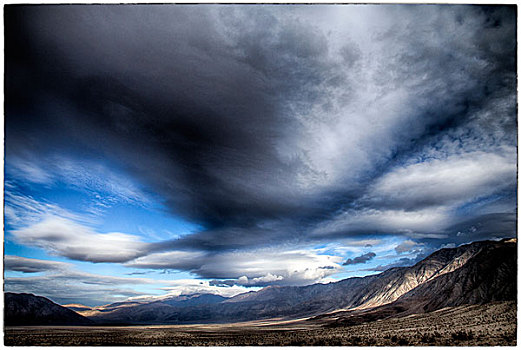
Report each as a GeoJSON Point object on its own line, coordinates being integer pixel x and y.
{"type": "Point", "coordinates": [29, 309]}
{"type": "Point", "coordinates": [475, 273]}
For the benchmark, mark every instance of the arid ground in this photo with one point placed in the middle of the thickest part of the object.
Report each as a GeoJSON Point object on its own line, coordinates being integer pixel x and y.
{"type": "Point", "coordinates": [491, 324]}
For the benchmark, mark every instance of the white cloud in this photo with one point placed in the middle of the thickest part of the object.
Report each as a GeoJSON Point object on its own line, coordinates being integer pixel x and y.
{"type": "Point", "coordinates": [371, 221]}
{"type": "Point", "coordinates": [195, 286]}
{"type": "Point", "coordinates": [61, 232]}
{"type": "Point", "coordinates": [64, 237]}
{"type": "Point", "coordinates": [244, 280]}
{"type": "Point", "coordinates": [419, 200]}
{"type": "Point", "coordinates": [454, 180]}
{"type": "Point", "coordinates": [253, 267]}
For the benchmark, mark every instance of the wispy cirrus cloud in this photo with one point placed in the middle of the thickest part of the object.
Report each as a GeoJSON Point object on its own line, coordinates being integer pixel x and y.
{"type": "Point", "coordinates": [23, 210]}
{"type": "Point", "coordinates": [106, 185]}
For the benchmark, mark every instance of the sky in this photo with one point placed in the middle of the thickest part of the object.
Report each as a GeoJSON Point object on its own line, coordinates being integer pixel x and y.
{"type": "Point", "coordinates": [156, 150]}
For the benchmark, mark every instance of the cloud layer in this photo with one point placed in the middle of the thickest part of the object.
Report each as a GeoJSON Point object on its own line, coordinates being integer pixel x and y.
{"type": "Point", "coordinates": [65, 284]}
{"type": "Point", "coordinates": [248, 268]}
{"type": "Point", "coordinates": [272, 128]}
{"type": "Point", "coordinates": [26, 265]}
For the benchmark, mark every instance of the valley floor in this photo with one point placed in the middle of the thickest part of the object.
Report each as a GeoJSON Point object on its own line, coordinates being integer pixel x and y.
{"type": "Point", "coordinates": [491, 324]}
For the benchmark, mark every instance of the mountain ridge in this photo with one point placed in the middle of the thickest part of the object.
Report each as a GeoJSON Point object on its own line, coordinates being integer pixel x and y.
{"type": "Point", "coordinates": [395, 291]}
{"type": "Point", "coordinates": [490, 276]}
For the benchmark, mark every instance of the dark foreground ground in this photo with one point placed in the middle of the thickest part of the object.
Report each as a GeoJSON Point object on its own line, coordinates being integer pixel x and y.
{"type": "Point", "coordinates": [492, 324]}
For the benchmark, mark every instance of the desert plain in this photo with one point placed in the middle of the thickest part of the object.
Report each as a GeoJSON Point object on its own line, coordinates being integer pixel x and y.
{"type": "Point", "coordinates": [492, 324]}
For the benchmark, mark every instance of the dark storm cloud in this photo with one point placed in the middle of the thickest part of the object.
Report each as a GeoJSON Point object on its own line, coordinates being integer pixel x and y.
{"type": "Point", "coordinates": [224, 283]}
{"type": "Point", "coordinates": [161, 91]}
{"type": "Point", "coordinates": [487, 226]}
{"type": "Point", "coordinates": [362, 259]}
{"type": "Point", "coordinates": [263, 124]}
{"type": "Point", "coordinates": [21, 264]}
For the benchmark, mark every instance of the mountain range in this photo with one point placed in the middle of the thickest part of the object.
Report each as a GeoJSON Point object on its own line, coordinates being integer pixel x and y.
{"type": "Point", "coordinates": [475, 273]}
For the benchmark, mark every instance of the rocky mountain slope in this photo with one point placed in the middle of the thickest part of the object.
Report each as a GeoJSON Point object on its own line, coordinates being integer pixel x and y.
{"type": "Point", "coordinates": [28, 309]}
{"type": "Point", "coordinates": [489, 275]}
